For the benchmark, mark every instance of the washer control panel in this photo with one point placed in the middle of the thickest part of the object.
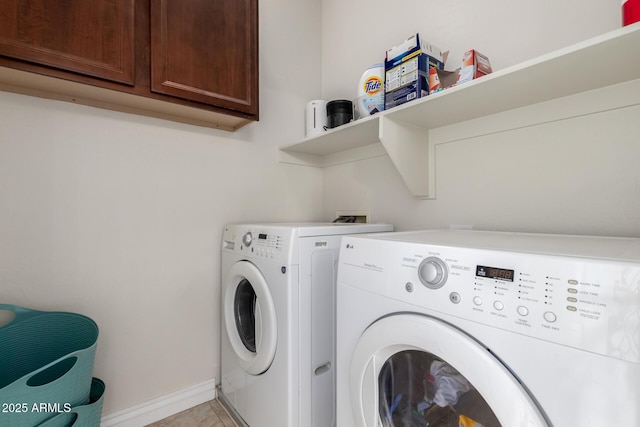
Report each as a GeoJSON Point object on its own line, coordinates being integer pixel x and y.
{"type": "Point", "coordinates": [254, 242]}
{"type": "Point", "coordinates": [586, 303]}
{"type": "Point", "coordinates": [268, 244]}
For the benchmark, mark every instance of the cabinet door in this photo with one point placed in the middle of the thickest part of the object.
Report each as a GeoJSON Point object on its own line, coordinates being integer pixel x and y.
{"type": "Point", "coordinates": [206, 51]}
{"type": "Point", "coordinates": [94, 37]}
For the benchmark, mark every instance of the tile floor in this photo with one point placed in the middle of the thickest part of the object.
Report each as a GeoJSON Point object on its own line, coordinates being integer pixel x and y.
{"type": "Point", "coordinates": [208, 414]}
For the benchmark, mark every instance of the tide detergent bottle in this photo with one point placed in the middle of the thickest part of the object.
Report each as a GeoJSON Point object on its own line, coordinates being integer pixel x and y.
{"type": "Point", "coordinates": [371, 91]}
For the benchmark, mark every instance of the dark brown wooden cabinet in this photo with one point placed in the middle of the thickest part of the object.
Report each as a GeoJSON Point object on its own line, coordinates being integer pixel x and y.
{"type": "Point", "coordinates": [204, 50]}
{"type": "Point", "coordinates": [92, 38]}
{"type": "Point", "coordinates": [200, 54]}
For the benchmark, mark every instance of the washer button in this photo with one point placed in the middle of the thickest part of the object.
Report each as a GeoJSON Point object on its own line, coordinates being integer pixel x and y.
{"type": "Point", "coordinates": [477, 300]}
{"type": "Point", "coordinates": [498, 305]}
{"type": "Point", "coordinates": [523, 311]}
{"type": "Point", "coordinates": [455, 297]}
{"type": "Point", "coordinates": [550, 317]}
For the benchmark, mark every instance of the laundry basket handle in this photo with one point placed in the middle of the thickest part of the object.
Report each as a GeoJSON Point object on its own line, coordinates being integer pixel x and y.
{"type": "Point", "coordinates": [89, 414]}
{"type": "Point", "coordinates": [20, 314]}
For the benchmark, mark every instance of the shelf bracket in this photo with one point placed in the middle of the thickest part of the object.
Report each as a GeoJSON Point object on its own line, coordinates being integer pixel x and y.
{"type": "Point", "coordinates": [408, 148]}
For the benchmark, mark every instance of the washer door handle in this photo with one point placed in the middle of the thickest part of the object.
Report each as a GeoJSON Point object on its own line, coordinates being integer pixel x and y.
{"type": "Point", "coordinates": [322, 369]}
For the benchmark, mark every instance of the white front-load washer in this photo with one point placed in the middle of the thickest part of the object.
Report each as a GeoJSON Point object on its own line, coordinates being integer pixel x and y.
{"type": "Point", "coordinates": [450, 327]}
{"type": "Point", "coordinates": [278, 321]}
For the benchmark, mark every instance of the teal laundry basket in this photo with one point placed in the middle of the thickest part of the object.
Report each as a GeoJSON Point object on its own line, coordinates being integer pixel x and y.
{"type": "Point", "coordinates": [46, 364]}
{"type": "Point", "coordinates": [88, 415]}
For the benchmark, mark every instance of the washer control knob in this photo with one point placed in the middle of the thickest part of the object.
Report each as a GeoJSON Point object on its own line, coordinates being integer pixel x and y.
{"type": "Point", "coordinates": [247, 238]}
{"type": "Point", "coordinates": [433, 272]}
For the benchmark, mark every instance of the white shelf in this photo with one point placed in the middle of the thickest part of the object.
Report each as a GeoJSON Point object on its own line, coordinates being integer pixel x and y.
{"type": "Point", "coordinates": [600, 62]}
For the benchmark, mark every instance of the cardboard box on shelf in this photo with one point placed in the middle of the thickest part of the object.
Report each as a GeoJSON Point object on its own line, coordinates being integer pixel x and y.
{"type": "Point", "coordinates": [406, 70]}
{"type": "Point", "coordinates": [474, 65]}
{"type": "Point", "coordinates": [441, 79]}
{"type": "Point", "coordinates": [411, 46]}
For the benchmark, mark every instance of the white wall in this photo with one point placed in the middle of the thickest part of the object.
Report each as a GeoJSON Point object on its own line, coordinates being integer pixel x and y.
{"type": "Point", "coordinates": [119, 217]}
{"type": "Point", "coordinates": [578, 175]}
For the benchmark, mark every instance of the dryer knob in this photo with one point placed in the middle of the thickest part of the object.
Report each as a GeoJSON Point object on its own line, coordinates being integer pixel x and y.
{"type": "Point", "coordinates": [433, 272]}
{"type": "Point", "coordinates": [247, 238]}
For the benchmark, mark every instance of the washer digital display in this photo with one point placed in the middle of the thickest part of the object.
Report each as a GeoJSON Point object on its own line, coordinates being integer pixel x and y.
{"type": "Point", "coordinates": [494, 273]}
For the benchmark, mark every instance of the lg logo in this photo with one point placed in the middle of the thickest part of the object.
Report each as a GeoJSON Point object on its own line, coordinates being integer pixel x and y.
{"type": "Point", "coordinates": [349, 246]}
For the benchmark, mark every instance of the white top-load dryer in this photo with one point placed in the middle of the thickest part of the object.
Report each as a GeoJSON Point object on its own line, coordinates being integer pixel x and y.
{"type": "Point", "coordinates": [278, 337]}
{"type": "Point", "coordinates": [449, 327]}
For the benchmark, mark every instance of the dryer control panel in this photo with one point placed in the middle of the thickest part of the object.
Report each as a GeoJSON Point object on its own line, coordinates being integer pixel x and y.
{"type": "Point", "coordinates": [583, 302]}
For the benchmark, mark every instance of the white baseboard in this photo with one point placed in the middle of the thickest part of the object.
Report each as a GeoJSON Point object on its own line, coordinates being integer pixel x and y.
{"type": "Point", "coordinates": [162, 407]}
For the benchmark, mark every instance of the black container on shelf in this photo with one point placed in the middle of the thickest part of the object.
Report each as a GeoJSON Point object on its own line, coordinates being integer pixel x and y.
{"type": "Point", "coordinates": [339, 112]}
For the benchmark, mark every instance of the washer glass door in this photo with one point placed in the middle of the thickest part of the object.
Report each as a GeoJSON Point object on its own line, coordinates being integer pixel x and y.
{"type": "Point", "coordinates": [411, 370]}
{"type": "Point", "coordinates": [250, 317]}
{"type": "Point", "coordinates": [245, 305]}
